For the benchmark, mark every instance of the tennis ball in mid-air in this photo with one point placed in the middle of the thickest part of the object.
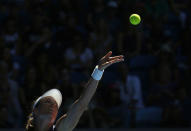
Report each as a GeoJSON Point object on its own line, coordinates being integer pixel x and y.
{"type": "Point", "coordinates": [135, 19]}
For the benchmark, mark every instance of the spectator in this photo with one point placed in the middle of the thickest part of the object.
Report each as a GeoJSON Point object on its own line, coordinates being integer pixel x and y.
{"type": "Point", "coordinates": [130, 88]}
{"type": "Point", "coordinates": [101, 37]}
{"type": "Point", "coordinates": [9, 98]}
{"type": "Point", "coordinates": [79, 56]}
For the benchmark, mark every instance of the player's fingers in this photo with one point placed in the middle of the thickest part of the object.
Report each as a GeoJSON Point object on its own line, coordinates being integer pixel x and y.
{"type": "Point", "coordinates": [108, 63]}
{"type": "Point", "coordinates": [112, 62]}
{"type": "Point", "coordinates": [116, 60]}
{"type": "Point", "coordinates": [108, 54]}
{"type": "Point", "coordinates": [116, 57]}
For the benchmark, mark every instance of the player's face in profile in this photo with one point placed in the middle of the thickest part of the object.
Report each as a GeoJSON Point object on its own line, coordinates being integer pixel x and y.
{"type": "Point", "coordinates": [46, 113]}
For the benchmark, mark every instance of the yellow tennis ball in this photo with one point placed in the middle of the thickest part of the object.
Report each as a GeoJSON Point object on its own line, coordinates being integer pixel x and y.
{"type": "Point", "coordinates": [135, 19]}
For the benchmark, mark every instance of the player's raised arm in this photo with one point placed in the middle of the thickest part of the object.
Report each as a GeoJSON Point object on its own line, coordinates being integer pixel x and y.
{"type": "Point", "coordinates": [68, 121]}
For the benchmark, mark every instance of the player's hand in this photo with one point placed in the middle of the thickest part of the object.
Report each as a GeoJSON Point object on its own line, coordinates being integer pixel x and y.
{"type": "Point", "coordinates": [107, 60]}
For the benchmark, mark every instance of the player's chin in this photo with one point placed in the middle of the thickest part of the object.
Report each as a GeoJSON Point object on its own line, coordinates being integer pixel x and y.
{"type": "Point", "coordinates": [49, 119]}
{"type": "Point", "coordinates": [46, 123]}
{"type": "Point", "coordinates": [53, 118]}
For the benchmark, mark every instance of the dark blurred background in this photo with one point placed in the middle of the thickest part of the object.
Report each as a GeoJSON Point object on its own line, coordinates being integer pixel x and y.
{"type": "Point", "coordinates": [48, 44]}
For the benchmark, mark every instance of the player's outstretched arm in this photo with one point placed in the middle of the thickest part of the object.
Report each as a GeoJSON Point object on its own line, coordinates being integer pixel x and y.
{"type": "Point", "coordinates": [68, 121]}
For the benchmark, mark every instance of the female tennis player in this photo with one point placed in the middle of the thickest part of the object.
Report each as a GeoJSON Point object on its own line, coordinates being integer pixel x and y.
{"type": "Point", "coordinates": [46, 107]}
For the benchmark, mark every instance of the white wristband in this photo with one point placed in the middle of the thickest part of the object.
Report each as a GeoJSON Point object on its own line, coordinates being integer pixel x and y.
{"type": "Point", "coordinates": [97, 74]}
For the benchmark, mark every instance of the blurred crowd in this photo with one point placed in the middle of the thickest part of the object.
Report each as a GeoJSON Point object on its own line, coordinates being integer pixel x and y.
{"type": "Point", "coordinates": [48, 44]}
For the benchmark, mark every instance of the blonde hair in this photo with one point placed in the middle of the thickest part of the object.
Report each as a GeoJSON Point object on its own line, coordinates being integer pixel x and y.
{"type": "Point", "coordinates": [30, 123]}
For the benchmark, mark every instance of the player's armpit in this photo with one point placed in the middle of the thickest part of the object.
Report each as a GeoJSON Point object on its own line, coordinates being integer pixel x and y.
{"type": "Point", "coordinates": [61, 124]}
{"type": "Point", "coordinates": [65, 124]}
{"type": "Point", "coordinates": [60, 119]}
